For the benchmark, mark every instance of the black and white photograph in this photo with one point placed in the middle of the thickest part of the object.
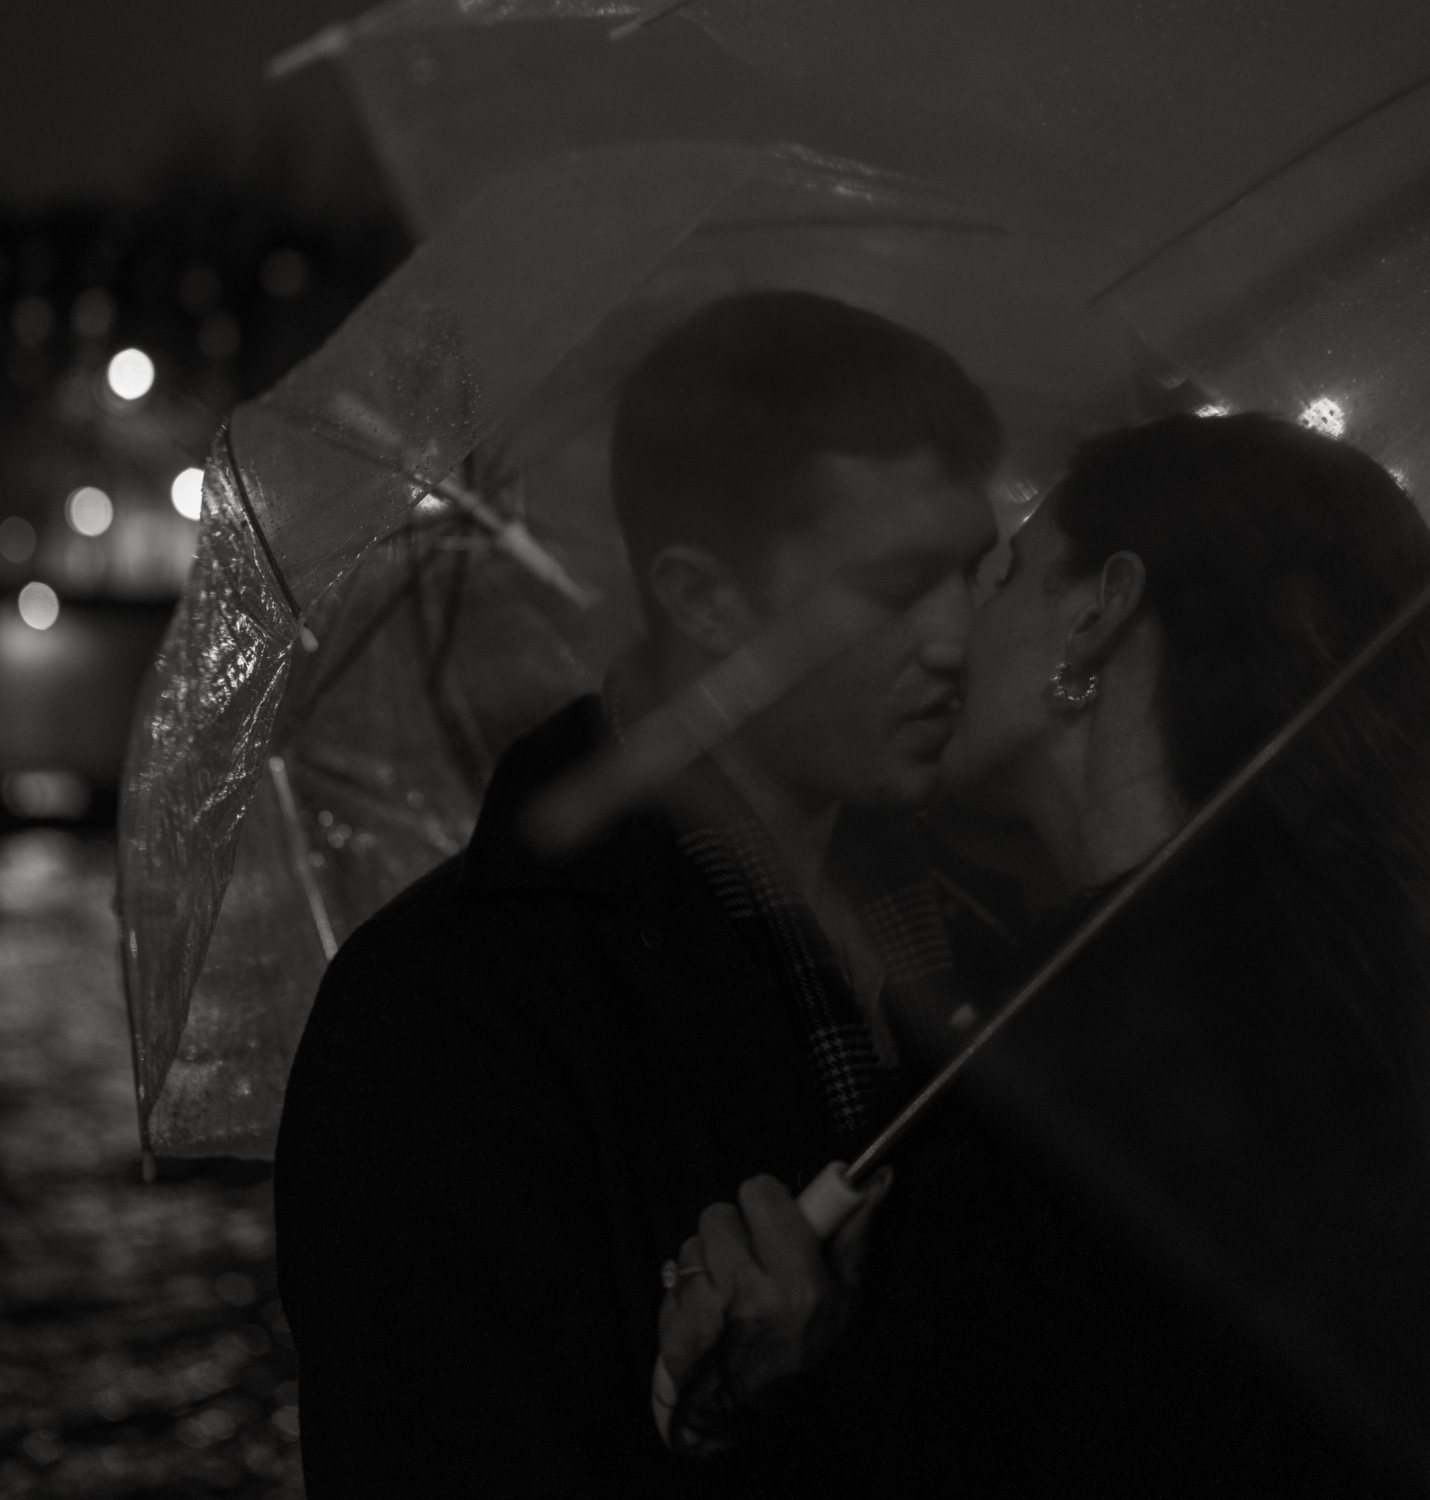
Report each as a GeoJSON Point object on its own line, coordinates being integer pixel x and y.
{"type": "Point", "coordinates": [714, 749]}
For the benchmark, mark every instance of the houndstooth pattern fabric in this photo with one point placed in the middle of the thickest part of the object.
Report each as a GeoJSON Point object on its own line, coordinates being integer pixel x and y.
{"type": "Point", "coordinates": [904, 927]}
{"type": "Point", "coordinates": [903, 921]}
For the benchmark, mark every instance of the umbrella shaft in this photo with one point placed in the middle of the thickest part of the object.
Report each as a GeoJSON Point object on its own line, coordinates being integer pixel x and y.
{"type": "Point", "coordinates": [874, 1155]}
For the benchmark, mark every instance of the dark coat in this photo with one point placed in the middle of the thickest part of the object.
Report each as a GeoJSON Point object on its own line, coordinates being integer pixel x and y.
{"type": "Point", "coordinates": [519, 1085]}
{"type": "Point", "coordinates": [1171, 1236]}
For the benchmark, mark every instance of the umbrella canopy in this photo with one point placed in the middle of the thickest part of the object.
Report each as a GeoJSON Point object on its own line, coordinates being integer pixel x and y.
{"type": "Point", "coordinates": [353, 651]}
{"type": "Point", "coordinates": [1197, 167]}
{"type": "Point", "coordinates": [1065, 200]}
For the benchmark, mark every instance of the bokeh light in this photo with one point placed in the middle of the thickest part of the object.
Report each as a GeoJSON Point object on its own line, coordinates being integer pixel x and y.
{"type": "Point", "coordinates": [187, 493]}
{"type": "Point", "coordinates": [45, 794]}
{"type": "Point", "coordinates": [130, 374]}
{"type": "Point", "coordinates": [89, 511]}
{"type": "Point", "coordinates": [39, 606]}
{"type": "Point", "coordinates": [17, 539]}
{"type": "Point", "coordinates": [1325, 416]}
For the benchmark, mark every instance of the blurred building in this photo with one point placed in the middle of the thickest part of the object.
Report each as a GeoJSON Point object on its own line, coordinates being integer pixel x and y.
{"type": "Point", "coordinates": [125, 337]}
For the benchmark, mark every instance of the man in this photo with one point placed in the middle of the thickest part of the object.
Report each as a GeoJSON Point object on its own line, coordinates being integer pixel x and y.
{"type": "Point", "coordinates": [523, 1080]}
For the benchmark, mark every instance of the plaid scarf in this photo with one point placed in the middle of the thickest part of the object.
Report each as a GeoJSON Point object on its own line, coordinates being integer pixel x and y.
{"type": "Point", "coordinates": [879, 866]}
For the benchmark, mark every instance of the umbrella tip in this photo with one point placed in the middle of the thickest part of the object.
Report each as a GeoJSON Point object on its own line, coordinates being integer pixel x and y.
{"type": "Point", "coordinates": [331, 41]}
{"type": "Point", "coordinates": [639, 23]}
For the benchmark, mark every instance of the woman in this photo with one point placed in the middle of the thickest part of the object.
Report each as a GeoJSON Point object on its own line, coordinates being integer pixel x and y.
{"type": "Point", "coordinates": [1172, 1235]}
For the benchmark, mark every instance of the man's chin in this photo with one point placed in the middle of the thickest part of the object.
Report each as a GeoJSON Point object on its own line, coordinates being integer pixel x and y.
{"type": "Point", "coordinates": [903, 787]}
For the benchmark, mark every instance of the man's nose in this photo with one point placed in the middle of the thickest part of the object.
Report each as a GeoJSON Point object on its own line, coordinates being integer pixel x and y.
{"type": "Point", "coordinates": [943, 627]}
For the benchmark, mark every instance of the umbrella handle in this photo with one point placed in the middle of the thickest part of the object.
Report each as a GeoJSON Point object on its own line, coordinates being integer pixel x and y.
{"type": "Point", "coordinates": [826, 1204]}
{"type": "Point", "coordinates": [829, 1200]}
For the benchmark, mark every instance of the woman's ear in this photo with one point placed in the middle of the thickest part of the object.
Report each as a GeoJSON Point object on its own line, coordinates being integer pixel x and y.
{"type": "Point", "coordinates": [702, 599]}
{"type": "Point", "coordinates": [1120, 589]}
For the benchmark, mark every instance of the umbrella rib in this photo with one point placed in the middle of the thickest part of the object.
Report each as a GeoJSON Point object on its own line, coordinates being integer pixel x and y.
{"type": "Point", "coordinates": [436, 652]}
{"type": "Point", "coordinates": [639, 23]}
{"type": "Point", "coordinates": [300, 855]}
{"type": "Point", "coordinates": [1266, 178]}
{"type": "Point", "coordinates": [374, 623]}
{"type": "Point", "coordinates": [288, 598]}
{"type": "Point", "coordinates": [512, 536]}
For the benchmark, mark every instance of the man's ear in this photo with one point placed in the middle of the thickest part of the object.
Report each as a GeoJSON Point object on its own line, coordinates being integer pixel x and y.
{"type": "Point", "coordinates": [702, 599]}
{"type": "Point", "coordinates": [1101, 625]}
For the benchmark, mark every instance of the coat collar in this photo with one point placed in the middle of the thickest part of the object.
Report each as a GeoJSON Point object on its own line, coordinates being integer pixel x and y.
{"type": "Point", "coordinates": [730, 1036]}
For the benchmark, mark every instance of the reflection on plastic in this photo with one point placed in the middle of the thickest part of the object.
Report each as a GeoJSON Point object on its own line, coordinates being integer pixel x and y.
{"type": "Point", "coordinates": [1324, 415]}
{"type": "Point", "coordinates": [407, 644]}
{"type": "Point", "coordinates": [194, 762]}
{"type": "Point", "coordinates": [697, 720]}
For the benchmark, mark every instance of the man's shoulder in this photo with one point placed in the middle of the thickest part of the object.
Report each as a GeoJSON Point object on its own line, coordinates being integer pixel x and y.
{"type": "Point", "coordinates": [490, 896]}
{"type": "Point", "coordinates": [624, 863]}
{"type": "Point", "coordinates": [538, 757]}
{"type": "Point", "coordinates": [415, 920]}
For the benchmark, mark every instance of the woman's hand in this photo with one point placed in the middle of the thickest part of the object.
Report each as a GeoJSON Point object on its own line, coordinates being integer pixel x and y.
{"type": "Point", "coordinates": [756, 1276]}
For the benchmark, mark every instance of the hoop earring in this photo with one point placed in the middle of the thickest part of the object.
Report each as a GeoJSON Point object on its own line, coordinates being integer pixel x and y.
{"type": "Point", "coordinates": [1066, 697]}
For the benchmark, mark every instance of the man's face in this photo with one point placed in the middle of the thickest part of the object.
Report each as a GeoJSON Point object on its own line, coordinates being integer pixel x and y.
{"type": "Point", "coordinates": [894, 546]}
{"type": "Point", "coordinates": [1018, 637]}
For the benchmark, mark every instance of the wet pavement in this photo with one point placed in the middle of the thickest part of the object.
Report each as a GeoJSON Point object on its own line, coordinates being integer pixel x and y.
{"type": "Point", "coordinates": [143, 1351]}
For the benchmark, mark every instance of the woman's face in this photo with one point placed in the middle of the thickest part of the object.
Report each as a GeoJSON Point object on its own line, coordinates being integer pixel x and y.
{"type": "Point", "coordinates": [1018, 637]}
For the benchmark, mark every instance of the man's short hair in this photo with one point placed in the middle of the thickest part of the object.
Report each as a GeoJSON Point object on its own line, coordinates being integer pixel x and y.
{"type": "Point", "coordinates": [715, 427]}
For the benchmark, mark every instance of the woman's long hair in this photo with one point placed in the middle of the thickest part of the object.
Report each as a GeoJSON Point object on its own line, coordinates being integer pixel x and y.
{"type": "Point", "coordinates": [1272, 554]}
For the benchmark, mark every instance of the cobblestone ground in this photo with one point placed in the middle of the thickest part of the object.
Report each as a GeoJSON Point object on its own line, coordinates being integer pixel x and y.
{"type": "Point", "coordinates": [143, 1351]}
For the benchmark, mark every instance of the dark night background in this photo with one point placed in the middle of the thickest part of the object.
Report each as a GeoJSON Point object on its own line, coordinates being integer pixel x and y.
{"type": "Point", "coordinates": [155, 193]}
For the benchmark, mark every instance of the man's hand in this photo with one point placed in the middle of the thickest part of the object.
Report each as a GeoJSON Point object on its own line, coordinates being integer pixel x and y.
{"type": "Point", "coordinates": [757, 1276]}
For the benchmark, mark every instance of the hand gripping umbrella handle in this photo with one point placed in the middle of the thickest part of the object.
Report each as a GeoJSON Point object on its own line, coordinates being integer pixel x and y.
{"type": "Point", "coordinates": [827, 1203]}
{"type": "Point", "coordinates": [830, 1200]}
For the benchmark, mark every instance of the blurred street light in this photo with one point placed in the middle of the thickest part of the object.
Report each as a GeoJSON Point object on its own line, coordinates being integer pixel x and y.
{"type": "Point", "coordinates": [187, 493]}
{"type": "Point", "coordinates": [45, 794]}
{"type": "Point", "coordinates": [130, 374]}
{"type": "Point", "coordinates": [39, 606]}
{"type": "Point", "coordinates": [89, 511]}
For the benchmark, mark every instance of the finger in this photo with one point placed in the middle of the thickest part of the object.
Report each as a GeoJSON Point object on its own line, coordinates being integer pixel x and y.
{"type": "Point", "coordinates": [691, 1323]}
{"type": "Point", "coordinates": [675, 1275]}
{"type": "Point", "coordinates": [726, 1250]}
{"type": "Point", "coordinates": [783, 1241]}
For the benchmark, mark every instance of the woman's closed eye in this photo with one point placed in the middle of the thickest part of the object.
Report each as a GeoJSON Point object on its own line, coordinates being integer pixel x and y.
{"type": "Point", "coordinates": [995, 570]}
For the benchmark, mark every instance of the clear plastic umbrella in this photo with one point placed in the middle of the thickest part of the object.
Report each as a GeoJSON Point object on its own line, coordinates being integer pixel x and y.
{"type": "Point", "coordinates": [407, 554]}
{"type": "Point", "coordinates": [1054, 196]}
{"type": "Point", "coordinates": [406, 558]}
